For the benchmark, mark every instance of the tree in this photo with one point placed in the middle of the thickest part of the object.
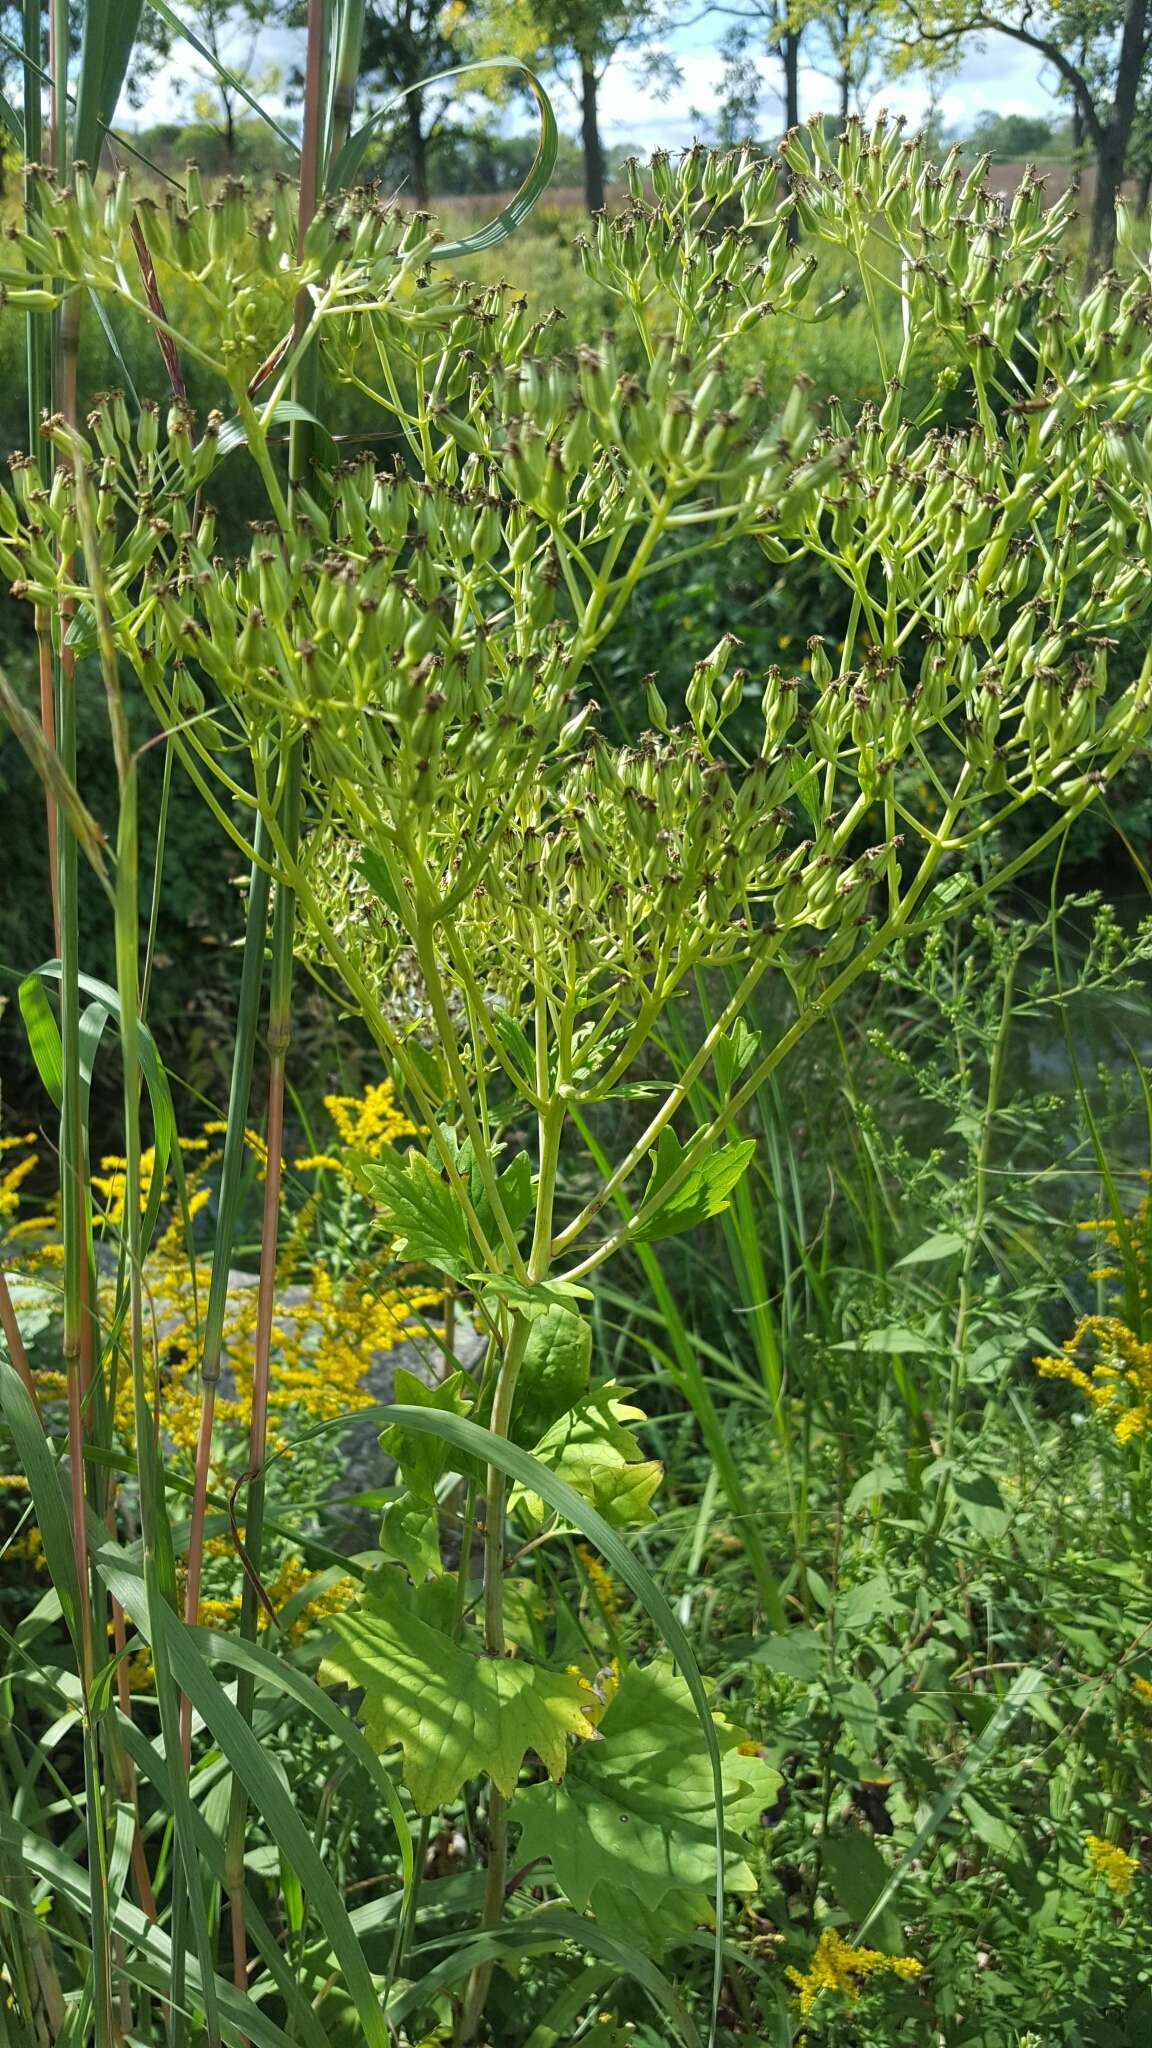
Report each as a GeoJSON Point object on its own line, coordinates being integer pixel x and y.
{"type": "Point", "coordinates": [581, 38]}
{"type": "Point", "coordinates": [406, 41]}
{"type": "Point", "coordinates": [1008, 138]}
{"type": "Point", "coordinates": [220, 80]}
{"type": "Point", "coordinates": [1100, 51]}
{"type": "Point", "coordinates": [759, 24]}
{"type": "Point", "coordinates": [854, 31]}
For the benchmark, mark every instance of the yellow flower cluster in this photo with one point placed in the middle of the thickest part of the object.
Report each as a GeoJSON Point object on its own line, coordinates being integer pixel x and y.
{"type": "Point", "coordinates": [1119, 1385]}
{"type": "Point", "coordinates": [322, 1345]}
{"type": "Point", "coordinates": [367, 1124]}
{"type": "Point", "coordinates": [220, 1611]}
{"type": "Point", "coordinates": [837, 1966]}
{"type": "Point", "coordinates": [12, 1177]}
{"type": "Point", "coordinates": [326, 1327]}
{"type": "Point", "coordinates": [1142, 1687]}
{"type": "Point", "coordinates": [601, 1581]}
{"type": "Point", "coordinates": [1114, 1865]}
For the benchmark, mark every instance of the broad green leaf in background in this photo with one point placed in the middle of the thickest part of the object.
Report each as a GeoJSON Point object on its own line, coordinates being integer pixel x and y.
{"type": "Point", "coordinates": [553, 1375]}
{"type": "Point", "coordinates": [943, 1244]}
{"type": "Point", "coordinates": [421, 1211]}
{"type": "Point", "coordinates": [592, 1451]}
{"type": "Point", "coordinates": [798, 1653]}
{"type": "Point", "coordinates": [632, 1825]}
{"type": "Point", "coordinates": [703, 1192]}
{"type": "Point", "coordinates": [455, 1712]}
{"type": "Point", "coordinates": [858, 1873]}
{"type": "Point", "coordinates": [423, 1460]}
{"type": "Point", "coordinates": [981, 1503]}
{"type": "Point", "coordinates": [409, 1532]}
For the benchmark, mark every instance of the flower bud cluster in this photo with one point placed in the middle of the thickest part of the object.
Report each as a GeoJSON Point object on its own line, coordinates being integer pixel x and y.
{"type": "Point", "coordinates": [426, 628]}
{"type": "Point", "coordinates": [238, 260]}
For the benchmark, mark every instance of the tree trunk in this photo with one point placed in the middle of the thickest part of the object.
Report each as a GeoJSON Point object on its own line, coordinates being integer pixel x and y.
{"type": "Point", "coordinates": [1115, 134]}
{"type": "Point", "coordinates": [417, 147]}
{"type": "Point", "coordinates": [790, 52]}
{"type": "Point", "coordinates": [845, 96]}
{"type": "Point", "coordinates": [590, 141]}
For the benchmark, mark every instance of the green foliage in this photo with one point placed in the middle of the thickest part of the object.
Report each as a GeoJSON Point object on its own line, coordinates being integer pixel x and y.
{"type": "Point", "coordinates": [593, 1451]}
{"type": "Point", "coordinates": [454, 1711]}
{"type": "Point", "coordinates": [421, 1212]}
{"type": "Point", "coordinates": [554, 1375]}
{"type": "Point", "coordinates": [629, 1831]}
{"type": "Point", "coordinates": [547, 933]}
{"type": "Point", "coordinates": [701, 1193]}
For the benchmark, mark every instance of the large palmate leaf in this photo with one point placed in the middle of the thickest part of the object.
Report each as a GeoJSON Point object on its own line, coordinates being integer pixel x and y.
{"type": "Point", "coordinates": [421, 1211]}
{"type": "Point", "coordinates": [592, 1451]}
{"type": "Point", "coordinates": [456, 1713]}
{"type": "Point", "coordinates": [703, 1192]}
{"type": "Point", "coordinates": [631, 1831]}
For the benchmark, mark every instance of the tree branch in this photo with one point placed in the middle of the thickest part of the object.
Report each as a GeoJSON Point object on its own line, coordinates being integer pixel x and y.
{"type": "Point", "coordinates": [1050, 51]}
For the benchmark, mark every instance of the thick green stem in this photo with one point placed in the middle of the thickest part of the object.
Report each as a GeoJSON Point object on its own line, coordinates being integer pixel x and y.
{"type": "Point", "coordinates": [495, 1504]}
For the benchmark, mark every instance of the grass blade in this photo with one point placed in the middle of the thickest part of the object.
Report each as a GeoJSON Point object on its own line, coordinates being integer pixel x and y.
{"type": "Point", "coordinates": [193, 1675]}
{"type": "Point", "coordinates": [110, 30]}
{"type": "Point", "coordinates": [509, 218]}
{"type": "Point", "coordinates": [538, 1934]}
{"type": "Point", "coordinates": [1023, 1688]}
{"type": "Point", "coordinates": [168, 14]}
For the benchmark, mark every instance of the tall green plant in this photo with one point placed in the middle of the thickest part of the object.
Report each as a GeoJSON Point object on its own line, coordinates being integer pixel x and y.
{"type": "Point", "coordinates": [511, 903]}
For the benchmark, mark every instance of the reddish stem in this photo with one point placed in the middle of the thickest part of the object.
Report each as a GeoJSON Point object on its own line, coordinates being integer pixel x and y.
{"type": "Point", "coordinates": [15, 1341]}
{"type": "Point", "coordinates": [196, 1544]}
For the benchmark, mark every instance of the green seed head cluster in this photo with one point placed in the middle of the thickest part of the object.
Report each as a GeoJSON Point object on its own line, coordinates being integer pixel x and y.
{"type": "Point", "coordinates": [239, 264]}
{"type": "Point", "coordinates": [427, 629]}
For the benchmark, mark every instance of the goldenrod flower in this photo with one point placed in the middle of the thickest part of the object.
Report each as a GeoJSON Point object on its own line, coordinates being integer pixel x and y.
{"type": "Point", "coordinates": [601, 1581]}
{"type": "Point", "coordinates": [1114, 1865]}
{"type": "Point", "coordinates": [837, 1966]}
{"type": "Point", "coordinates": [1119, 1385]}
{"type": "Point", "coordinates": [13, 1177]}
{"type": "Point", "coordinates": [371, 1122]}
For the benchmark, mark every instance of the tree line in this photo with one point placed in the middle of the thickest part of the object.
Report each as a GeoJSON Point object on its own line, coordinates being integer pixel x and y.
{"type": "Point", "coordinates": [1098, 53]}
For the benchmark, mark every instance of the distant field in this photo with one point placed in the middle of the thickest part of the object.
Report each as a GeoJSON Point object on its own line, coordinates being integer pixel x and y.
{"type": "Point", "coordinates": [570, 198]}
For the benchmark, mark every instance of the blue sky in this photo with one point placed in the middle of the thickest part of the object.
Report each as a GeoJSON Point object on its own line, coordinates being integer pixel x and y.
{"type": "Point", "coordinates": [1000, 74]}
